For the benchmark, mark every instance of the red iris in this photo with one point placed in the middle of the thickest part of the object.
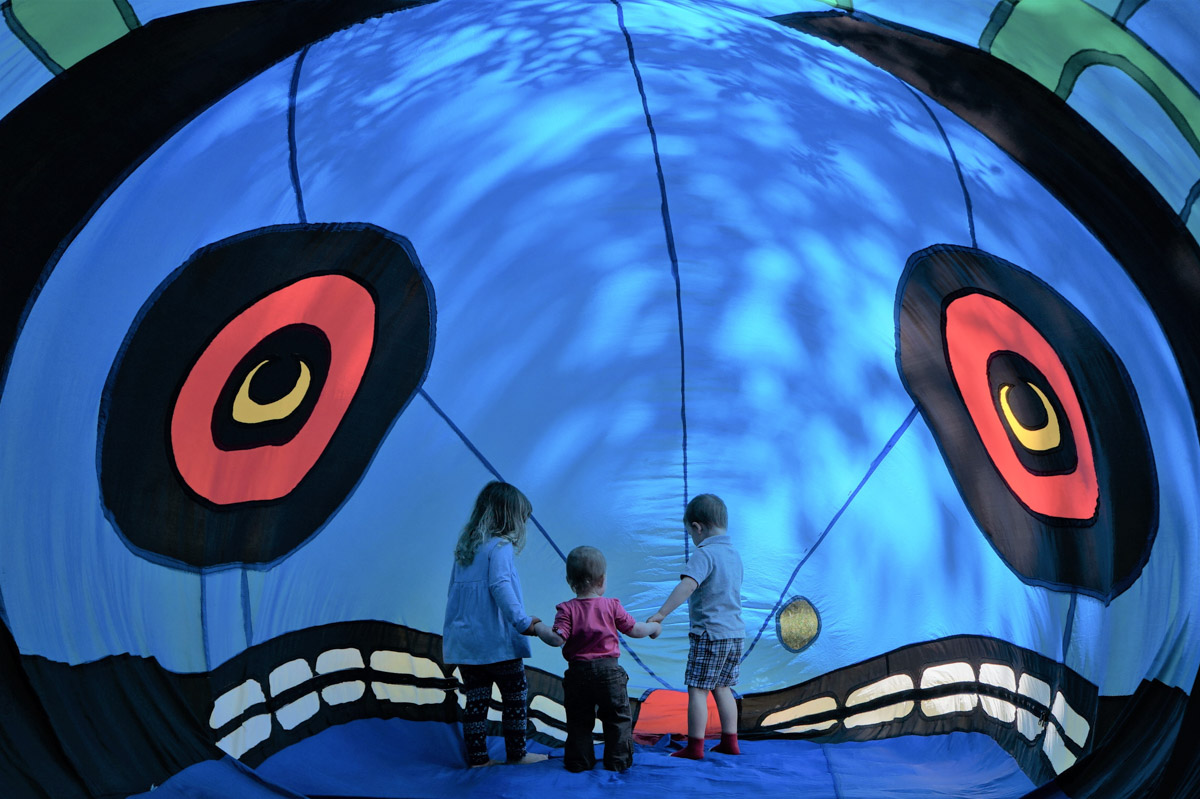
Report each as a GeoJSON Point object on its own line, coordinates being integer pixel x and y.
{"type": "Point", "coordinates": [978, 326]}
{"type": "Point", "coordinates": [335, 304]}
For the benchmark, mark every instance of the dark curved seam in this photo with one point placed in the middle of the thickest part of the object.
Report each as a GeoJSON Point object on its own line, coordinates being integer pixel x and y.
{"type": "Point", "coordinates": [247, 621]}
{"type": "Point", "coordinates": [128, 15]}
{"type": "Point", "coordinates": [292, 158]}
{"type": "Point", "coordinates": [957, 167]}
{"type": "Point", "coordinates": [204, 622]}
{"type": "Point", "coordinates": [486, 463]}
{"type": "Point", "coordinates": [833, 780]}
{"type": "Point", "coordinates": [1126, 10]}
{"type": "Point", "coordinates": [648, 670]}
{"type": "Point", "coordinates": [1066, 642]}
{"type": "Point", "coordinates": [996, 23]}
{"type": "Point", "coordinates": [670, 233]}
{"type": "Point", "coordinates": [870, 471]}
{"type": "Point", "coordinates": [1190, 202]}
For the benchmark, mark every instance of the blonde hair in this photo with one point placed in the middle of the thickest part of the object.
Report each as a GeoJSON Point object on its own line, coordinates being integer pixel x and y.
{"type": "Point", "coordinates": [500, 511]}
{"type": "Point", "coordinates": [586, 567]}
{"type": "Point", "coordinates": [708, 511]}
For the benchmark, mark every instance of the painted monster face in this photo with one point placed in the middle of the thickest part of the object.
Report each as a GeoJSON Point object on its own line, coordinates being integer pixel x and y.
{"type": "Point", "coordinates": [617, 255]}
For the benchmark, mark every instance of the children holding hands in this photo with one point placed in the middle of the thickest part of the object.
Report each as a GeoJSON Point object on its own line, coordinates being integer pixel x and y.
{"type": "Point", "coordinates": [486, 624]}
{"type": "Point", "coordinates": [586, 628]}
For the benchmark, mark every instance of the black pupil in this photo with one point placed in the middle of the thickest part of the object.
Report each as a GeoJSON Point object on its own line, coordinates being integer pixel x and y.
{"type": "Point", "coordinates": [275, 379]}
{"type": "Point", "coordinates": [1027, 406]}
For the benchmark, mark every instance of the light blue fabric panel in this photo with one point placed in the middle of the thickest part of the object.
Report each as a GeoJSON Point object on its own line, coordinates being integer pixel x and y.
{"type": "Point", "coordinates": [227, 173]}
{"type": "Point", "coordinates": [147, 10]}
{"type": "Point", "coordinates": [1169, 28]}
{"type": "Point", "coordinates": [1132, 120]}
{"type": "Point", "coordinates": [21, 73]}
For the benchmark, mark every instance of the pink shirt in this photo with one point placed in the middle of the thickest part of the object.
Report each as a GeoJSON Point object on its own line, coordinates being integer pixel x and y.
{"type": "Point", "coordinates": [590, 627]}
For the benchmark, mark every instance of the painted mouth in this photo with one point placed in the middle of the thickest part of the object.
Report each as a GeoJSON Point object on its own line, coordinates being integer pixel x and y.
{"type": "Point", "coordinates": [1040, 711]}
{"type": "Point", "coordinates": [284, 690]}
{"type": "Point", "coordinates": [291, 687]}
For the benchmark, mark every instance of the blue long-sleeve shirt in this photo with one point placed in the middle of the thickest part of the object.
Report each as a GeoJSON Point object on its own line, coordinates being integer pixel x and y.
{"type": "Point", "coordinates": [485, 612]}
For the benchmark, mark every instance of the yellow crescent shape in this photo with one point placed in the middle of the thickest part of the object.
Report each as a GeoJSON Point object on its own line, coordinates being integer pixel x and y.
{"type": "Point", "coordinates": [1044, 438]}
{"type": "Point", "coordinates": [247, 411]}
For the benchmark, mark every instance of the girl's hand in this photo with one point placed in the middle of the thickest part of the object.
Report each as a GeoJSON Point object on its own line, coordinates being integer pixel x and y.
{"type": "Point", "coordinates": [532, 628]}
{"type": "Point", "coordinates": [657, 631]}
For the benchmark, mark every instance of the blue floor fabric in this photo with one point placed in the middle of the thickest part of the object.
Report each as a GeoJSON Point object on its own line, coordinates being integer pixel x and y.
{"type": "Point", "coordinates": [395, 759]}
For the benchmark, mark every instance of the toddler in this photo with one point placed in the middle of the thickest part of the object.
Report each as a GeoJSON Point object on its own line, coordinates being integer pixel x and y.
{"type": "Point", "coordinates": [595, 684]}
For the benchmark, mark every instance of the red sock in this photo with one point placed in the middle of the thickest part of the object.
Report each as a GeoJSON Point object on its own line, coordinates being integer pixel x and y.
{"type": "Point", "coordinates": [693, 751]}
{"type": "Point", "coordinates": [728, 745]}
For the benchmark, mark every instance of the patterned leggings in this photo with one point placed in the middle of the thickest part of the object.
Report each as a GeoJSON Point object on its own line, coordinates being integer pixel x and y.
{"type": "Point", "coordinates": [477, 685]}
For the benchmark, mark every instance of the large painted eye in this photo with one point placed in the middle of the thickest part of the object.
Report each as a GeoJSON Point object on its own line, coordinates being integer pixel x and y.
{"type": "Point", "coordinates": [255, 386]}
{"type": "Point", "coordinates": [1035, 416]}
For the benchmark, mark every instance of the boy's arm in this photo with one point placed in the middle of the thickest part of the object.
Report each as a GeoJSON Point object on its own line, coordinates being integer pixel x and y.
{"type": "Point", "coordinates": [686, 586]}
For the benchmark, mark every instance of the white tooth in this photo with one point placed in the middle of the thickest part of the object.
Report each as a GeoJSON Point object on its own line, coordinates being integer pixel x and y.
{"type": "Point", "coordinates": [1002, 677]}
{"type": "Point", "coordinates": [556, 711]}
{"type": "Point", "coordinates": [289, 675]}
{"type": "Point", "coordinates": [822, 704]}
{"type": "Point", "coordinates": [999, 708]}
{"type": "Point", "coordinates": [955, 703]}
{"type": "Point", "coordinates": [462, 697]}
{"type": "Point", "coordinates": [1028, 724]}
{"type": "Point", "coordinates": [885, 687]}
{"type": "Point", "coordinates": [412, 694]}
{"type": "Point", "coordinates": [343, 692]}
{"type": "Point", "coordinates": [883, 714]}
{"type": "Point", "coordinates": [1039, 691]}
{"type": "Point", "coordinates": [1035, 689]}
{"type": "Point", "coordinates": [234, 703]}
{"type": "Point", "coordinates": [293, 714]}
{"type": "Point", "coordinates": [250, 734]}
{"type": "Point", "coordinates": [811, 727]}
{"type": "Point", "coordinates": [404, 663]}
{"type": "Point", "coordinates": [339, 660]}
{"type": "Point", "coordinates": [493, 713]}
{"type": "Point", "coordinates": [946, 674]}
{"type": "Point", "coordinates": [949, 674]}
{"type": "Point", "coordinates": [1075, 725]}
{"type": "Point", "coordinates": [543, 727]}
{"type": "Point", "coordinates": [555, 732]}
{"type": "Point", "coordinates": [998, 675]}
{"type": "Point", "coordinates": [549, 707]}
{"type": "Point", "coordinates": [1056, 750]}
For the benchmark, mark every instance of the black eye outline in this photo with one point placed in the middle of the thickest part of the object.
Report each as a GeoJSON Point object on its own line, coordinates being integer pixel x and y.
{"type": "Point", "coordinates": [154, 502]}
{"type": "Point", "coordinates": [1097, 546]}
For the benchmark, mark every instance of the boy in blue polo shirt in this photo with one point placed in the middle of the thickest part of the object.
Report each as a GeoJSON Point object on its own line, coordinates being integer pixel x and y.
{"type": "Point", "coordinates": [712, 583]}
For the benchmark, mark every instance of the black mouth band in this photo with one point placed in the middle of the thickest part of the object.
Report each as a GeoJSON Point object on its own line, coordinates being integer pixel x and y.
{"type": "Point", "coordinates": [1040, 711]}
{"type": "Point", "coordinates": [182, 719]}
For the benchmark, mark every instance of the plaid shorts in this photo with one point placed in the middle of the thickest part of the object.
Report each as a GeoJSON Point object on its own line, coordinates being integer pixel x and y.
{"type": "Point", "coordinates": [712, 662]}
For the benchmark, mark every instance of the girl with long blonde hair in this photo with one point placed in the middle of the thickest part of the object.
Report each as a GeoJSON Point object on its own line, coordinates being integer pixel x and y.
{"type": "Point", "coordinates": [486, 623]}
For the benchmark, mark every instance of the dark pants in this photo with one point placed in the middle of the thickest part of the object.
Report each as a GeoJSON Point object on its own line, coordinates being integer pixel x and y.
{"type": "Point", "coordinates": [594, 688]}
{"type": "Point", "coordinates": [509, 675]}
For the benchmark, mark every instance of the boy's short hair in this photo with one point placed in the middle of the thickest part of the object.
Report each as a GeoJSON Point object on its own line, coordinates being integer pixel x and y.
{"type": "Point", "coordinates": [586, 567]}
{"type": "Point", "coordinates": [708, 511]}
